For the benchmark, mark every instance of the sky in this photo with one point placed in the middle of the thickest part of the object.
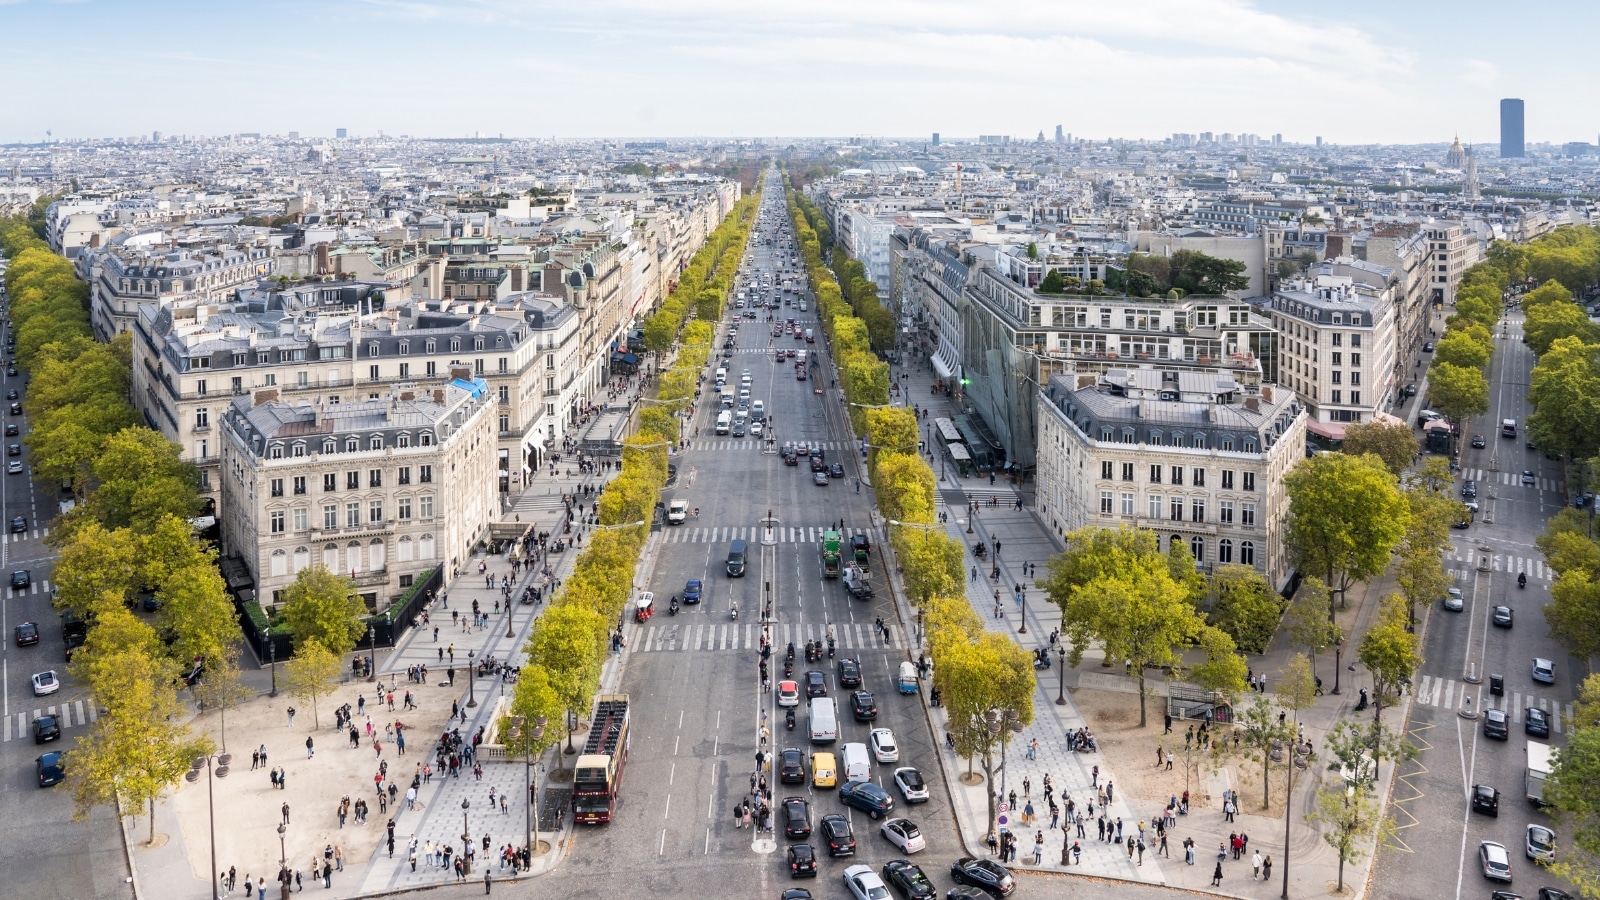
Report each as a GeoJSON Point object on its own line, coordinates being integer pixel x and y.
{"type": "Point", "coordinates": [1359, 71]}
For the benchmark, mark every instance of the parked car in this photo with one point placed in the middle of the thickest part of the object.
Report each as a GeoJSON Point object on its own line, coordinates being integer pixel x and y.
{"type": "Point", "coordinates": [1539, 843]}
{"type": "Point", "coordinates": [984, 873]}
{"type": "Point", "coordinates": [1496, 862]}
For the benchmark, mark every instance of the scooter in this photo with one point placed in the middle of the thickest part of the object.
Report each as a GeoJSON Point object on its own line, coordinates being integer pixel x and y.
{"type": "Point", "coordinates": [788, 719]}
{"type": "Point", "coordinates": [672, 608]}
{"type": "Point", "coordinates": [1522, 579]}
{"type": "Point", "coordinates": [734, 610]}
{"type": "Point", "coordinates": [788, 668]}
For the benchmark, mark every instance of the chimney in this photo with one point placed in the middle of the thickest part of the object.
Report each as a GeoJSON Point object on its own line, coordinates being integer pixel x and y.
{"type": "Point", "coordinates": [267, 396]}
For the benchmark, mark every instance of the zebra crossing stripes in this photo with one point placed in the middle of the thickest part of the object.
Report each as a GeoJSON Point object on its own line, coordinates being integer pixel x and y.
{"type": "Point", "coordinates": [37, 587]}
{"type": "Point", "coordinates": [717, 535]}
{"type": "Point", "coordinates": [1509, 479]}
{"type": "Point", "coordinates": [1535, 568]}
{"type": "Point", "coordinates": [73, 713]}
{"type": "Point", "coordinates": [689, 637]}
{"type": "Point", "coordinates": [1447, 693]}
{"type": "Point", "coordinates": [760, 444]}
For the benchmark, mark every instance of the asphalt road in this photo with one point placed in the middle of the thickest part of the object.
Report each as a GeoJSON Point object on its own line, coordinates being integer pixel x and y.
{"type": "Point", "coordinates": [1435, 854]}
{"type": "Point", "coordinates": [44, 853]}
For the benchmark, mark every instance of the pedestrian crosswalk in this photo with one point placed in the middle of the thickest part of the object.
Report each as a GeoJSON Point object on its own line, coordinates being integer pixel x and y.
{"type": "Point", "coordinates": [681, 636]}
{"type": "Point", "coordinates": [1536, 569]}
{"type": "Point", "coordinates": [717, 535]}
{"type": "Point", "coordinates": [1511, 479]}
{"type": "Point", "coordinates": [1448, 693]}
{"type": "Point", "coordinates": [759, 444]}
{"type": "Point", "coordinates": [35, 534]}
{"type": "Point", "coordinates": [71, 714]}
{"type": "Point", "coordinates": [37, 587]}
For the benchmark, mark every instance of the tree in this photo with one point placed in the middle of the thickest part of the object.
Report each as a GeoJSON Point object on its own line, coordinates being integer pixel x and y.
{"type": "Point", "coordinates": [220, 688]}
{"type": "Point", "coordinates": [1389, 650]}
{"type": "Point", "coordinates": [312, 673]}
{"type": "Point", "coordinates": [1194, 272]}
{"type": "Point", "coordinates": [1458, 392]}
{"type": "Point", "coordinates": [1573, 613]}
{"type": "Point", "coordinates": [1458, 348]}
{"type": "Point", "coordinates": [1564, 389]}
{"type": "Point", "coordinates": [1247, 608]}
{"type": "Point", "coordinates": [975, 678]}
{"type": "Point", "coordinates": [1033, 250]}
{"type": "Point", "coordinates": [1391, 442]}
{"type": "Point", "coordinates": [1586, 710]}
{"type": "Point", "coordinates": [1296, 687]}
{"type": "Point", "coordinates": [1346, 514]}
{"type": "Point", "coordinates": [931, 563]}
{"type": "Point", "coordinates": [1223, 670]}
{"type": "Point", "coordinates": [1548, 323]}
{"type": "Point", "coordinates": [570, 645]}
{"type": "Point", "coordinates": [1258, 733]}
{"type": "Point", "coordinates": [97, 568]}
{"type": "Point", "coordinates": [533, 700]}
{"type": "Point", "coordinates": [1052, 283]}
{"type": "Point", "coordinates": [1310, 619]}
{"type": "Point", "coordinates": [1576, 805]}
{"type": "Point", "coordinates": [1348, 812]}
{"type": "Point", "coordinates": [323, 607]}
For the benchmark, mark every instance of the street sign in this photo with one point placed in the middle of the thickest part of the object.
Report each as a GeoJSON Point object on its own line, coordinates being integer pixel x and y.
{"type": "Point", "coordinates": [1002, 820]}
{"type": "Point", "coordinates": [1003, 808]}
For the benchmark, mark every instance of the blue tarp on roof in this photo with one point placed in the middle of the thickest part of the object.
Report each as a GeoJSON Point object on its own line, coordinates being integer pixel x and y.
{"type": "Point", "coordinates": [476, 387]}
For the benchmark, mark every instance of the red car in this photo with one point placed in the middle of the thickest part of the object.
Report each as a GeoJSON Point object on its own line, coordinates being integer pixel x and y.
{"type": "Point", "coordinates": [799, 373]}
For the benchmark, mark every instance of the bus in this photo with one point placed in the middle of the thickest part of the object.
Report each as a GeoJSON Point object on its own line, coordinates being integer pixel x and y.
{"type": "Point", "coordinates": [598, 772]}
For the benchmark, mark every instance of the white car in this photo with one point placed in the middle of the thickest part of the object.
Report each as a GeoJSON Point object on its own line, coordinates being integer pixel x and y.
{"type": "Point", "coordinates": [883, 745]}
{"type": "Point", "coordinates": [678, 512]}
{"type": "Point", "coordinates": [911, 785]}
{"type": "Point", "coordinates": [904, 833]}
{"type": "Point", "coordinates": [14, 467]}
{"type": "Point", "coordinates": [755, 429]}
{"type": "Point", "coordinates": [788, 693]}
{"type": "Point", "coordinates": [46, 683]}
{"type": "Point", "coordinates": [864, 884]}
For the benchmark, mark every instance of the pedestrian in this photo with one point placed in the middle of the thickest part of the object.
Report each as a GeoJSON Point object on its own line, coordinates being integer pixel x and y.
{"type": "Point", "coordinates": [1216, 876]}
{"type": "Point", "coordinates": [486, 881]}
{"type": "Point", "coordinates": [291, 717]}
{"type": "Point", "coordinates": [1168, 718]}
{"type": "Point", "coordinates": [1169, 760]}
{"type": "Point", "coordinates": [1266, 869]}
{"type": "Point", "coordinates": [285, 813]}
{"type": "Point", "coordinates": [1038, 848]}
{"type": "Point", "coordinates": [1141, 851]}
{"type": "Point", "coordinates": [1027, 813]}
{"type": "Point", "coordinates": [1255, 865]}
{"type": "Point", "coordinates": [310, 751]}
{"type": "Point", "coordinates": [255, 760]}
{"type": "Point", "coordinates": [1094, 777]}
{"type": "Point", "coordinates": [1188, 851]}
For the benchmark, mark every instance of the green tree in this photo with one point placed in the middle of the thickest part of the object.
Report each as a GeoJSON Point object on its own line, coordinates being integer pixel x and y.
{"type": "Point", "coordinates": [1459, 349]}
{"type": "Point", "coordinates": [1194, 272]}
{"type": "Point", "coordinates": [1222, 670]}
{"type": "Point", "coordinates": [1033, 250]}
{"type": "Point", "coordinates": [1309, 618]}
{"type": "Point", "coordinates": [570, 645]}
{"type": "Point", "coordinates": [1052, 283]}
{"type": "Point", "coordinates": [1259, 734]}
{"type": "Point", "coordinates": [96, 568]}
{"type": "Point", "coordinates": [323, 607]}
{"type": "Point", "coordinates": [313, 673]}
{"type": "Point", "coordinates": [1391, 442]}
{"type": "Point", "coordinates": [1246, 607]}
{"type": "Point", "coordinates": [1390, 651]}
{"type": "Point", "coordinates": [1586, 709]}
{"type": "Point", "coordinates": [1549, 323]}
{"type": "Point", "coordinates": [975, 678]}
{"type": "Point", "coordinates": [1296, 687]}
{"type": "Point", "coordinates": [1348, 816]}
{"type": "Point", "coordinates": [1576, 807]}
{"type": "Point", "coordinates": [1573, 613]}
{"type": "Point", "coordinates": [1346, 515]}
{"type": "Point", "coordinates": [1564, 389]}
{"type": "Point", "coordinates": [1458, 392]}
{"type": "Point", "coordinates": [931, 563]}
{"type": "Point", "coordinates": [221, 689]}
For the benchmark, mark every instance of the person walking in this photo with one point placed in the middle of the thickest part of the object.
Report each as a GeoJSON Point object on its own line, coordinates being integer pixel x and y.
{"type": "Point", "coordinates": [291, 717]}
{"type": "Point", "coordinates": [285, 813]}
{"type": "Point", "coordinates": [1216, 876]}
{"type": "Point", "coordinates": [1255, 865]}
{"type": "Point", "coordinates": [310, 749]}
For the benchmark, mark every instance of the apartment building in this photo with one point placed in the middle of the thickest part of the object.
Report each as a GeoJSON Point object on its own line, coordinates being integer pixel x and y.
{"type": "Point", "coordinates": [1337, 350]}
{"type": "Point", "coordinates": [1195, 457]}
{"type": "Point", "coordinates": [380, 490]}
{"type": "Point", "coordinates": [1453, 248]}
{"type": "Point", "coordinates": [123, 276]}
{"type": "Point", "coordinates": [1405, 250]}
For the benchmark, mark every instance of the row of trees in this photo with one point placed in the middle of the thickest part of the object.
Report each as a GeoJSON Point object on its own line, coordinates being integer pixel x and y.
{"type": "Point", "coordinates": [1565, 385]}
{"type": "Point", "coordinates": [1184, 272]}
{"type": "Point", "coordinates": [569, 646]}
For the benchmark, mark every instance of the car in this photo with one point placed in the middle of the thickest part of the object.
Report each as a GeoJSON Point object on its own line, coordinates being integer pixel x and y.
{"type": "Point", "coordinates": [820, 479]}
{"type": "Point", "coordinates": [911, 785]}
{"type": "Point", "coordinates": [817, 465]}
{"type": "Point", "coordinates": [11, 370]}
{"type": "Point", "coordinates": [1486, 800]}
{"type": "Point", "coordinates": [1500, 616]}
{"type": "Point", "coordinates": [14, 467]}
{"type": "Point", "coordinates": [1453, 600]}
{"type": "Point", "coordinates": [849, 672]}
{"type": "Point", "coordinates": [45, 683]}
{"type": "Point", "coordinates": [796, 817]}
{"type": "Point", "coordinates": [1550, 893]}
{"type": "Point", "coordinates": [1495, 860]}
{"type": "Point", "coordinates": [755, 429]}
{"type": "Point", "coordinates": [11, 394]}
{"type": "Point", "coordinates": [16, 409]}
{"type": "Point", "coordinates": [27, 634]}
{"type": "Point", "coordinates": [12, 430]}
{"type": "Point", "coordinates": [803, 449]}
{"type": "Point", "coordinates": [790, 458]}
{"type": "Point", "coordinates": [966, 892]}
{"type": "Point", "coordinates": [909, 880]}
{"type": "Point", "coordinates": [802, 863]}
{"type": "Point", "coordinates": [1544, 671]}
{"type": "Point", "coordinates": [738, 429]}
{"type": "Point", "coordinates": [984, 873]}
{"type": "Point", "coordinates": [1427, 347]}
{"type": "Point", "coordinates": [903, 833]}
{"type": "Point", "coordinates": [796, 894]}
{"type": "Point", "coordinates": [864, 884]}
{"type": "Point", "coordinates": [1539, 843]}
{"type": "Point", "coordinates": [692, 589]}
{"type": "Point", "coordinates": [883, 746]}
{"type": "Point", "coordinates": [816, 684]}
{"type": "Point", "coordinates": [13, 449]}
{"type": "Point", "coordinates": [73, 642]}
{"type": "Point", "coordinates": [46, 729]}
{"type": "Point", "coordinates": [836, 831]}
{"type": "Point", "coordinates": [1479, 442]}
{"type": "Point", "coordinates": [52, 768]}
{"type": "Point", "coordinates": [1496, 725]}
{"type": "Point", "coordinates": [788, 693]}
{"type": "Point", "coordinates": [791, 766]}
{"type": "Point", "coordinates": [836, 470]}
{"type": "Point", "coordinates": [1528, 478]}
{"type": "Point", "coordinates": [1411, 389]}
{"type": "Point", "coordinates": [1469, 490]}
{"type": "Point", "coordinates": [867, 797]}
{"type": "Point", "coordinates": [1536, 722]}
{"type": "Point", "coordinates": [863, 706]}
{"type": "Point", "coordinates": [799, 373]}
{"type": "Point", "coordinates": [19, 524]}
{"type": "Point", "coordinates": [678, 512]}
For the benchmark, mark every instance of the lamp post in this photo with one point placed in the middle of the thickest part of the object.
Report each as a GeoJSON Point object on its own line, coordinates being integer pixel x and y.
{"type": "Point", "coordinates": [466, 835]}
{"type": "Point", "coordinates": [472, 673]}
{"type": "Point", "coordinates": [372, 658]}
{"type": "Point", "coordinates": [1024, 595]}
{"type": "Point", "coordinates": [531, 801]}
{"type": "Point", "coordinates": [193, 775]}
{"type": "Point", "coordinates": [272, 653]}
{"type": "Point", "coordinates": [1337, 654]}
{"type": "Point", "coordinates": [283, 863]}
{"type": "Point", "coordinates": [1061, 676]}
{"type": "Point", "coordinates": [999, 722]}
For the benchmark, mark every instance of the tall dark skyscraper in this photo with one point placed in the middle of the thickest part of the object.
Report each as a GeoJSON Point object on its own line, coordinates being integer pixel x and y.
{"type": "Point", "coordinates": [1512, 139]}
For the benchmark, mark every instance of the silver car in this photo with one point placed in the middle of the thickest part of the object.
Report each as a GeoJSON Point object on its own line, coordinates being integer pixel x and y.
{"type": "Point", "coordinates": [1544, 671]}
{"type": "Point", "coordinates": [1453, 600]}
{"type": "Point", "coordinates": [1495, 860]}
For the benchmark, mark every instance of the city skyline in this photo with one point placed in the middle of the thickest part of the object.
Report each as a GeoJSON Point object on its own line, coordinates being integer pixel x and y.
{"type": "Point", "coordinates": [621, 68]}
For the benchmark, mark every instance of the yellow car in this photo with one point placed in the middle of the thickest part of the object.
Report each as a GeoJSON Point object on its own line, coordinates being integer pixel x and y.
{"type": "Point", "coordinates": [824, 770]}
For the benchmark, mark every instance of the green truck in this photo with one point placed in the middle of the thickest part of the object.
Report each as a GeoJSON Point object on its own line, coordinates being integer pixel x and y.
{"type": "Point", "coordinates": [832, 561]}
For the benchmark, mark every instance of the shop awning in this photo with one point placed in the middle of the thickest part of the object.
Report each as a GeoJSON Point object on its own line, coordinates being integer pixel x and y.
{"type": "Point", "coordinates": [1333, 431]}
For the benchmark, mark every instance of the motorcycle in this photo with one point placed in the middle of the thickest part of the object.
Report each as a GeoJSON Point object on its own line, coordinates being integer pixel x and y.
{"type": "Point", "coordinates": [790, 656]}
{"type": "Point", "coordinates": [734, 611]}
{"type": "Point", "coordinates": [830, 648]}
{"type": "Point", "coordinates": [788, 719]}
{"type": "Point", "coordinates": [788, 668]}
{"type": "Point", "coordinates": [1522, 579]}
{"type": "Point", "coordinates": [672, 607]}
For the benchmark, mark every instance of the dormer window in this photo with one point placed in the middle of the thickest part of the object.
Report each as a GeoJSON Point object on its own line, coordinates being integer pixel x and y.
{"type": "Point", "coordinates": [477, 343]}
{"type": "Point", "coordinates": [455, 345]}
{"type": "Point", "coordinates": [405, 347]}
{"type": "Point", "coordinates": [372, 349]}
{"type": "Point", "coordinates": [328, 446]}
{"type": "Point", "coordinates": [426, 439]}
{"type": "Point", "coordinates": [403, 440]}
{"type": "Point", "coordinates": [376, 443]}
{"type": "Point", "coordinates": [275, 451]}
{"type": "Point", "coordinates": [352, 445]}
{"type": "Point", "coordinates": [432, 346]}
{"type": "Point", "coordinates": [299, 449]}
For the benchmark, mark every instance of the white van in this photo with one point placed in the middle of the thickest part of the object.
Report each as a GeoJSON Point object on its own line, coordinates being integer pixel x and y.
{"type": "Point", "coordinates": [854, 764]}
{"type": "Point", "coordinates": [722, 373]}
{"type": "Point", "coordinates": [824, 721]}
{"type": "Point", "coordinates": [724, 422]}
{"type": "Point", "coordinates": [727, 398]}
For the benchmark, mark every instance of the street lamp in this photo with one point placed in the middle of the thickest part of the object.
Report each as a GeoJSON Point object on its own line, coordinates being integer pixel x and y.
{"type": "Point", "coordinates": [272, 653]}
{"type": "Point", "coordinates": [1061, 673]}
{"type": "Point", "coordinates": [531, 801]}
{"type": "Point", "coordinates": [1338, 652]}
{"type": "Point", "coordinates": [472, 673]}
{"type": "Point", "coordinates": [1000, 721]}
{"type": "Point", "coordinates": [193, 775]}
{"type": "Point", "coordinates": [372, 658]}
{"type": "Point", "coordinates": [466, 834]}
{"type": "Point", "coordinates": [1024, 595]}
{"type": "Point", "coordinates": [283, 863]}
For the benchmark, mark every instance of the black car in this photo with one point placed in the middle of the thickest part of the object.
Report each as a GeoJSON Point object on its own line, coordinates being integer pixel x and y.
{"type": "Point", "coordinates": [51, 767]}
{"type": "Point", "coordinates": [908, 879]}
{"type": "Point", "coordinates": [1478, 441]}
{"type": "Point", "coordinates": [864, 707]}
{"type": "Point", "coordinates": [802, 862]}
{"type": "Point", "coordinates": [1501, 616]}
{"type": "Point", "coordinates": [796, 894]}
{"type": "Point", "coordinates": [817, 465]}
{"type": "Point", "coordinates": [12, 430]}
{"type": "Point", "coordinates": [966, 892]}
{"type": "Point", "coordinates": [27, 634]}
{"type": "Point", "coordinates": [13, 449]}
{"type": "Point", "coordinates": [849, 673]}
{"type": "Point", "coordinates": [1496, 725]}
{"type": "Point", "coordinates": [816, 684]}
{"type": "Point", "coordinates": [836, 470]}
{"type": "Point", "coordinates": [21, 578]}
{"type": "Point", "coordinates": [46, 729]}
{"type": "Point", "coordinates": [791, 767]}
{"type": "Point", "coordinates": [867, 797]}
{"type": "Point", "coordinates": [984, 873]}
{"type": "Point", "coordinates": [1486, 800]}
{"type": "Point", "coordinates": [19, 524]}
{"type": "Point", "coordinates": [796, 817]}
{"type": "Point", "coordinates": [1428, 347]}
{"type": "Point", "coordinates": [16, 409]}
{"type": "Point", "coordinates": [836, 831]}
{"type": "Point", "coordinates": [74, 640]}
{"type": "Point", "coordinates": [791, 458]}
{"type": "Point", "coordinates": [11, 394]}
{"type": "Point", "coordinates": [1536, 722]}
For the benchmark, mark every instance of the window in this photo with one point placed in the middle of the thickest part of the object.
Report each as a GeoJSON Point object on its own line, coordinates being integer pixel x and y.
{"type": "Point", "coordinates": [1225, 512]}
{"type": "Point", "coordinates": [375, 511]}
{"type": "Point", "coordinates": [425, 506]}
{"type": "Point", "coordinates": [1199, 442]}
{"type": "Point", "coordinates": [1338, 378]}
{"type": "Point", "coordinates": [425, 474]}
{"type": "Point", "coordinates": [374, 478]}
{"type": "Point", "coordinates": [1227, 445]}
{"type": "Point", "coordinates": [277, 521]}
{"type": "Point", "coordinates": [1247, 515]}
{"type": "Point", "coordinates": [328, 446]}
{"type": "Point", "coordinates": [1127, 435]}
{"type": "Point", "coordinates": [1355, 341]}
{"type": "Point", "coordinates": [1155, 474]}
{"type": "Point", "coordinates": [351, 445]}
{"type": "Point", "coordinates": [1338, 339]}
{"type": "Point", "coordinates": [1127, 504]}
{"type": "Point", "coordinates": [1355, 397]}
{"type": "Point", "coordinates": [1177, 474]}
{"type": "Point", "coordinates": [1249, 481]}
{"type": "Point", "coordinates": [299, 449]}
{"type": "Point", "coordinates": [432, 369]}
{"type": "Point", "coordinates": [1105, 469]}
{"type": "Point", "coordinates": [505, 424]}
{"type": "Point", "coordinates": [1355, 359]}
{"type": "Point", "coordinates": [1227, 479]}
{"type": "Point", "coordinates": [300, 518]}
{"type": "Point", "coordinates": [505, 393]}
{"type": "Point", "coordinates": [1105, 434]}
{"type": "Point", "coordinates": [352, 481]}
{"type": "Point", "coordinates": [1225, 551]}
{"type": "Point", "coordinates": [1105, 502]}
{"type": "Point", "coordinates": [202, 418]}
{"type": "Point", "coordinates": [427, 439]}
{"type": "Point", "coordinates": [1249, 447]}
{"type": "Point", "coordinates": [352, 515]}
{"type": "Point", "coordinates": [1155, 506]}
{"type": "Point", "coordinates": [1338, 359]}
{"type": "Point", "coordinates": [1247, 553]}
{"type": "Point", "coordinates": [299, 484]}
{"type": "Point", "coordinates": [330, 482]}
{"type": "Point", "coordinates": [376, 443]}
{"type": "Point", "coordinates": [372, 373]}
{"type": "Point", "coordinates": [503, 369]}
{"type": "Point", "coordinates": [1176, 509]}
{"type": "Point", "coordinates": [330, 516]}
{"type": "Point", "coordinates": [1197, 510]}
{"type": "Point", "coordinates": [404, 475]}
{"type": "Point", "coordinates": [275, 451]}
{"type": "Point", "coordinates": [1197, 549]}
{"type": "Point", "coordinates": [404, 511]}
{"type": "Point", "coordinates": [277, 487]}
{"type": "Point", "coordinates": [204, 450]}
{"type": "Point", "coordinates": [1198, 478]}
